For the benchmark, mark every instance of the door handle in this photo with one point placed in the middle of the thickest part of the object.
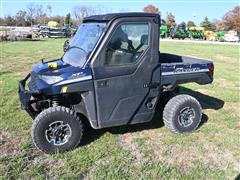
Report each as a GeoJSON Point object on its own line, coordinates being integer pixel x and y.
{"type": "Point", "coordinates": [102, 84]}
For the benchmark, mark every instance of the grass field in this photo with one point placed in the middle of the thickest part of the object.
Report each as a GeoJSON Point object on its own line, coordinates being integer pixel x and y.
{"type": "Point", "coordinates": [146, 151]}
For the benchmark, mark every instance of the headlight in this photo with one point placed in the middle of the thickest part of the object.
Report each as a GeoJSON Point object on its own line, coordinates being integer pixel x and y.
{"type": "Point", "coordinates": [50, 79]}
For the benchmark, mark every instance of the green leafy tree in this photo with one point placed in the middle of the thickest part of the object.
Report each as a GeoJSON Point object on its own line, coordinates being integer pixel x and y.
{"type": "Point", "coordinates": [10, 21]}
{"type": "Point", "coordinates": [2, 21]}
{"type": "Point", "coordinates": [163, 22]}
{"type": "Point", "coordinates": [208, 26]}
{"type": "Point", "coordinates": [190, 24]}
{"type": "Point", "coordinates": [182, 26]}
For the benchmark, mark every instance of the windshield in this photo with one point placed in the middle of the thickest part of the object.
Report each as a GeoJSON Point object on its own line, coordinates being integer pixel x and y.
{"type": "Point", "coordinates": [83, 43]}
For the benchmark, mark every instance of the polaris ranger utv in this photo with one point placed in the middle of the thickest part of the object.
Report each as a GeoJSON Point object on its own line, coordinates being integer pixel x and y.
{"type": "Point", "coordinates": [111, 74]}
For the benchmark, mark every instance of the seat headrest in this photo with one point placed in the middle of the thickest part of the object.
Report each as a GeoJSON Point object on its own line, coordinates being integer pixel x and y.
{"type": "Point", "coordinates": [144, 39]}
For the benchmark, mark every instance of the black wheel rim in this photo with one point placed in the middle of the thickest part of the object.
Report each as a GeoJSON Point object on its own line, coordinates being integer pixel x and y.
{"type": "Point", "coordinates": [186, 116]}
{"type": "Point", "coordinates": [58, 133]}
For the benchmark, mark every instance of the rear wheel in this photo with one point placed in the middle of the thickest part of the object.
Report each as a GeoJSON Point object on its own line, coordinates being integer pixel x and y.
{"type": "Point", "coordinates": [57, 129]}
{"type": "Point", "coordinates": [182, 113]}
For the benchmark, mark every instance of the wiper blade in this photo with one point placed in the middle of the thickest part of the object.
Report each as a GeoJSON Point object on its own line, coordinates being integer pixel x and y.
{"type": "Point", "coordinates": [44, 61]}
{"type": "Point", "coordinates": [70, 47]}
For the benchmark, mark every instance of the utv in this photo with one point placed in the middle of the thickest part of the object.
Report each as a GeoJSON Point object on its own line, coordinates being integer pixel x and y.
{"type": "Point", "coordinates": [111, 74]}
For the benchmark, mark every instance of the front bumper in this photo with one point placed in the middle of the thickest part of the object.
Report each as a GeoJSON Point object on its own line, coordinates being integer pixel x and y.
{"type": "Point", "coordinates": [25, 97]}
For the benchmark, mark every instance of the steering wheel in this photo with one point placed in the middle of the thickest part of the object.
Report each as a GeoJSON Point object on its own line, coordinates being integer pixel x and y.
{"type": "Point", "coordinates": [130, 47]}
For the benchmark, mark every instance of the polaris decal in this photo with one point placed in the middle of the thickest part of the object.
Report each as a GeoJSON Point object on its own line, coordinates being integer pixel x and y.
{"type": "Point", "coordinates": [185, 71]}
{"type": "Point", "coordinates": [77, 75]}
{"type": "Point", "coordinates": [79, 79]}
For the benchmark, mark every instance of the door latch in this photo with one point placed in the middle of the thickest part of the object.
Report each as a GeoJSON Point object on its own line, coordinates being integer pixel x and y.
{"type": "Point", "coordinates": [153, 85]}
{"type": "Point", "coordinates": [102, 84]}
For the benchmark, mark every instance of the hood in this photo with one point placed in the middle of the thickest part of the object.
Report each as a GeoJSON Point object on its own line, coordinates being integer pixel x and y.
{"type": "Point", "coordinates": [69, 74]}
{"type": "Point", "coordinates": [59, 68]}
{"type": "Point", "coordinates": [53, 67]}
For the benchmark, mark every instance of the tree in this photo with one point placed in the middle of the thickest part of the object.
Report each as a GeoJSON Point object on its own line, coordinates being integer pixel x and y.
{"type": "Point", "coordinates": [58, 19]}
{"type": "Point", "coordinates": [232, 19]}
{"type": "Point", "coordinates": [170, 19]}
{"type": "Point", "coordinates": [182, 25]}
{"type": "Point", "coordinates": [208, 26]}
{"type": "Point", "coordinates": [2, 21]}
{"type": "Point", "coordinates": [48, 10]}
{"type": "Point", "coordinates": [9, 20]}
{"type": "Point", "coordinates": [31, 13]}
{"type": "Point", "coordinates": [190, 24]}
{"type": "Point", "coordinates": [151, 9]}
{"type": "Point", "coordinates": [219, 25]}
{"type": "Point", "coordinates": [40, 14]}
{"type": "Point", "coordinates": [21, 18]}
{"type": "Point", "coordinates": [81, 12]}
{"type": "Point", "coordinates": [163, 22]}
{"type": "Point", "coordinates": [68, 19]}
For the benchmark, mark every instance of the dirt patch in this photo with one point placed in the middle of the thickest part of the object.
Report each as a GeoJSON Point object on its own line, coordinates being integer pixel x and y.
{"type": "Point", "coordinates": [184, 154]}
{"type": "Point", "coordinates": [227, 59]}
{"type": "Point", "coordinates": [188, 156]}
{"type": "Point", "coordinates": [101, 162]}
{"type": "Point", "coordinates": [37, 156]}
{"type": "Point", "coordinates": [23, 72]}
{"type": "Point", "coordinates": [127, 141]}
{"type": "Point", "coordinates": [9, 144]}
{"type": "Point", "coordinates": [205, 91]}
{"type": "Point", "coordinates": [221, 82]}
{"type": "Point", "coordinates": [51, 163]}
{"type": "Point", "coordinates": [231, 106]}
{"type": "Point", "coordinates": [104, 161]}
{"type": "Point", "coordinates": [19, 65]}
{"type": "Point", "coordinates": [221, 159]}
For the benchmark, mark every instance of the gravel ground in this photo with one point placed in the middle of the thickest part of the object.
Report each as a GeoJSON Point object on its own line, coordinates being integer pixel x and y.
{"type": "Point", "coordinates": [202, 42]}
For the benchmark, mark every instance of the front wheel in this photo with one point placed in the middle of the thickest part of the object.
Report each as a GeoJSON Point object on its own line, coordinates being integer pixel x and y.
{"type": "Point", "coordinates": [182, 113]}
{"type": "Point", "coordinates": [57, 129]}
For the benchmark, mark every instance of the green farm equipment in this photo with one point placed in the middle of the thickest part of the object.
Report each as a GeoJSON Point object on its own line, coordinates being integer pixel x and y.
{"type": "Point", "coordinates": [178, 32]}
{"type": "Point", "coordinates": [164, 31]}
{"type": "Point", "coordinates": [220, 35]}
{"type": "Point", "coordinates": [196, 33]}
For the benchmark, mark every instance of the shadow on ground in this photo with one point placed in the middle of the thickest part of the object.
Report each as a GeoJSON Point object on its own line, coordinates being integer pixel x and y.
{"type": "Point", "coordinates": [238, 177]}
{"type": "Point", "coordinates": [206, 101]}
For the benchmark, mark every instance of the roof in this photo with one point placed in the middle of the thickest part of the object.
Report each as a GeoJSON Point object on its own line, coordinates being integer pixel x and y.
{"type": "Point", "coordinates": [109, 17]}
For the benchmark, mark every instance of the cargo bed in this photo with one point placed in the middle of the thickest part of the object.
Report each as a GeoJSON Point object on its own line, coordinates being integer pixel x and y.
{"type": "Point", "coordinates": [174, 69]}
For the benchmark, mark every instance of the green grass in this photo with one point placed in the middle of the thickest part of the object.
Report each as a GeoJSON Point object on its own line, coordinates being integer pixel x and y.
{"type": "Point", "coordinates": [146, 151]}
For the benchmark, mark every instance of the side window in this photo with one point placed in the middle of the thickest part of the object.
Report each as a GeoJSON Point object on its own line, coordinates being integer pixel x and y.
{"type": "Point", "coordinates": [127, 43]}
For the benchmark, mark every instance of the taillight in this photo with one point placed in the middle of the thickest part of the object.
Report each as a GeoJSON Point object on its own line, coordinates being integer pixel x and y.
{"type": "Point", "coordinates": [211, 69]}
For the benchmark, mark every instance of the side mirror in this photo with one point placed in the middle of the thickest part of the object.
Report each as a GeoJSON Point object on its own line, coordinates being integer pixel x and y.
{"type": "Point", "coordinates": [65, 45]}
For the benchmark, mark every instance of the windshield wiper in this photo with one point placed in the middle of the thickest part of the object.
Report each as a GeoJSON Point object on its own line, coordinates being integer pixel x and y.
{"type": "Point", "coordinates": [71, 47]}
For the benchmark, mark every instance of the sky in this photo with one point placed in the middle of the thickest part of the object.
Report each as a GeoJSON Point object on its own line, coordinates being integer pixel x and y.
{"type": "Point", "coordinates": [184, 10]}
